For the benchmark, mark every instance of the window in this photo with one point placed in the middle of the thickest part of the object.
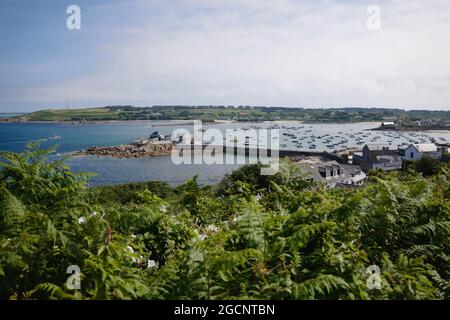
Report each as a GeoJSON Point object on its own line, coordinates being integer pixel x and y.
{"type": "Point", "coordinates": [412, 155]}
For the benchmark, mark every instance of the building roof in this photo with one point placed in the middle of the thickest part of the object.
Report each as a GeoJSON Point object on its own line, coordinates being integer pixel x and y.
{"type": "Point", "coordinates": [388, 158]}
{"type": "Point", "coordinates": [447, 144]}
{"type": "Point", "coordinates": [312, 167]}
{"type": "Point", "coordinates": [379, 147]}
{"type": "Point", "coordinates": [351, 168]}
{"type": "Point", "coordinates": [425, 147]}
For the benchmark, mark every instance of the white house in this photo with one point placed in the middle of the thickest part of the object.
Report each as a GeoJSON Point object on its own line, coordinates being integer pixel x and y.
{"type": "Point", "coordinates": [417, 151]}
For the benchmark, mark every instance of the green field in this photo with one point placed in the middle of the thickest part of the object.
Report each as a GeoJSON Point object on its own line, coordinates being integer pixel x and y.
{"type": "Point", "coordinates": [74, 115]}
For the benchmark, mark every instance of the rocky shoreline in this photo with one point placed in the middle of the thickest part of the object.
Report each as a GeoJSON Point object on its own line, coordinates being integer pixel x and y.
{"type": "Point", "coordinates": [415, 129]}
{"type": "Point", "coordinates": [133, 150]}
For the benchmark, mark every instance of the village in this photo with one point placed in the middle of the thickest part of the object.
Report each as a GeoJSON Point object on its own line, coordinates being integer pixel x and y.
{"type": "Point", "coordinates": [354, 167]}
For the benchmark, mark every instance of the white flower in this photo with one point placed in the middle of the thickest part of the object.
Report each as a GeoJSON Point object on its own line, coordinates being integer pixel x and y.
{"type": "Point", "coordinates": [212, 228]}
{"type": "Point", "coordinates": [199, 237]}
{"type": "Point", "coordinates": [93, 214]}
{"type": "Point", "coordinates": [81, 220]}
{"type": "Point", "coordinates": [133, 236]}
{"type": "Point", "coordinates": [163, 209]}
{"type": "Point", "coordinates": [237, 219]}
{"type": "Point", "coordinates": [134, 259]}
{"type": "Point", "coordinates": [152, 264]}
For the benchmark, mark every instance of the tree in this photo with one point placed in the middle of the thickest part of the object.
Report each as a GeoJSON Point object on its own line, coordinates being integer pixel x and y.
{"type": "Point", "coordinates": [427, 166]}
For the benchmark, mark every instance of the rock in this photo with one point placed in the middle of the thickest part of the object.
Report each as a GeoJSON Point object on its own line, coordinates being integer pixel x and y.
{"type": "Point", "coordinates": [149, 149]}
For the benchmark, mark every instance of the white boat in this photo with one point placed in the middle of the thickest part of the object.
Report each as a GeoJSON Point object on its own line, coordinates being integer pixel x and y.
{"type": "Point", "coordinates": [55, 137]}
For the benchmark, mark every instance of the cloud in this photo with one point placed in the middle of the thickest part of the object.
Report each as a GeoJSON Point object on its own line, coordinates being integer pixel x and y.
{"type": "Point", "coordinates": [274, 52]}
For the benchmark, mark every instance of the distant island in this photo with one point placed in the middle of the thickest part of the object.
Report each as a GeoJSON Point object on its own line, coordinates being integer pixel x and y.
{"type": "Point", "coordinates": [400, 119]}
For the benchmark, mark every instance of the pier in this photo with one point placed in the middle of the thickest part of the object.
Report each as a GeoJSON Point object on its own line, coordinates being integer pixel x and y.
{"type": "Point", "coordinates": [259, 152]}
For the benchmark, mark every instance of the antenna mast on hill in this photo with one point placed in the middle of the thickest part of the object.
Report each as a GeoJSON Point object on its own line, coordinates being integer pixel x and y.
{"type": "Point", "coordinates": [67, 103]}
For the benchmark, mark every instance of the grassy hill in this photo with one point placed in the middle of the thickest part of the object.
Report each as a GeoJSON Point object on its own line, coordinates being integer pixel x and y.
{"type": "Point", "coordinates": [242, 113]}
{"type": "Point", "coordinates": [74, 115]}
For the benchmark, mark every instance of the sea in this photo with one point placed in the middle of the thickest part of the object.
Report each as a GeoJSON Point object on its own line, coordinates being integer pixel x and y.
{"type": "Point", "coordinates": [293, 136]}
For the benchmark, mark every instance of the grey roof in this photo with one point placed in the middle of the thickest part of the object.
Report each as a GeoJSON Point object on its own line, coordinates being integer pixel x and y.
{"type": "Point", "coordinates": [379, 147]}
{"type": "Point", "coordinates": [351, 168]}
{"type": "Point", "coordinates": [311, 169]}
{"type": "Point", "coordinates": [388, 158]}
{"type": "Point", "coordinates": [425, 147]}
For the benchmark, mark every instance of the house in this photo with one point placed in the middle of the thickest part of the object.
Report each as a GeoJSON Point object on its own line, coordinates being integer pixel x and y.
{"type": "Point", "coordinates": [156, 136]}
{"type": "Point", "coordinates": [332, 173]}
{"type": "Point", "coordinates": [357, 176]}
{"type": "Point", "coordinates": [377, 156]}
{"type": "Point", "coordinates": [417, 151]}
{"type": "Point", "coordinates": [425, 122]}
{"type": "Point", "coordinates": [371, 151]}
{"type": "Point", "coordinates": [388, 162]}
{"type": "Point", "coordinates": [443, 149]}
{"type": "Point", "coordinates": [388, 124]}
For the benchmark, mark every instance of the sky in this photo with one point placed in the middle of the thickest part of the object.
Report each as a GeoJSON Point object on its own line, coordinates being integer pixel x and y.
{"type": "Point", "coordinates": [309, 53]}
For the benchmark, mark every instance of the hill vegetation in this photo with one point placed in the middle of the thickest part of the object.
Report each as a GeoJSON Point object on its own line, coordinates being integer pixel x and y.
{"type": "Point", "coordinates": [241, 113]}
{"type": "Point", "coordinates": [250, 237]}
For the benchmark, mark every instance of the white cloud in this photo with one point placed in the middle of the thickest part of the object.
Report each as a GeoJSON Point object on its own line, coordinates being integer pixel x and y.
{"type": "Point", "coordinates": [274, 52]}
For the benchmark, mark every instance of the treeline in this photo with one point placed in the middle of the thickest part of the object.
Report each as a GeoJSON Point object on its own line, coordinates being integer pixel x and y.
{"type": "Point", "coordinates": [268, 113]}
{"type": "Point", "coordinates": [251, 236]}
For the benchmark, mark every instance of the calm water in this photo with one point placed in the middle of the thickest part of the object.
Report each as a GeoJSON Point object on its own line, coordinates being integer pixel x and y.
{"type": "Point", "coordinates": [13, 137]}
{"type": "Point", "coordinates": [9, 115]}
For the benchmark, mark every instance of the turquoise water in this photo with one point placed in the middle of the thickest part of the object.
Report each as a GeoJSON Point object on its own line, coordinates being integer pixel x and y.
{"type": "Point", "coordinates": [14, 137]}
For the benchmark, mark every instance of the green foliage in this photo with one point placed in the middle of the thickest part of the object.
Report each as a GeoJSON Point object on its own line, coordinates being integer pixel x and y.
{"type": "Point", "coordinates": [427, 166]}
{"type": "Point", "coordinates": [250, 237]}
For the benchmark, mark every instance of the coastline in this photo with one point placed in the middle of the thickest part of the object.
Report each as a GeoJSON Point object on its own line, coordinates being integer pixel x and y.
{"type": "Point", "coordinates": [97, 122]}
{"type": "Point", "coordinates": [176, 122]}
{"type": "Point", "coordinates": [413, 129]}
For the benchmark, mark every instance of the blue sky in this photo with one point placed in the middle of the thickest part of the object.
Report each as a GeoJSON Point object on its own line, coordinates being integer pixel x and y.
{"type": "Point", "coordinates": [260, 52]}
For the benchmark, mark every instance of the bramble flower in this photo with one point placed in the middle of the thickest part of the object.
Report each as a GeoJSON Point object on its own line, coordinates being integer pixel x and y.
{"type": "Point", "coordinates": [152, 264]}
{"type": "Point", "coordinates": [199, 237]}
{"type": "Point", "coordinates": [134, 259]}
{"type": "Point", "coordinates": [212, 228]}
{"type": "Point", "coordinates": [81, 220]}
